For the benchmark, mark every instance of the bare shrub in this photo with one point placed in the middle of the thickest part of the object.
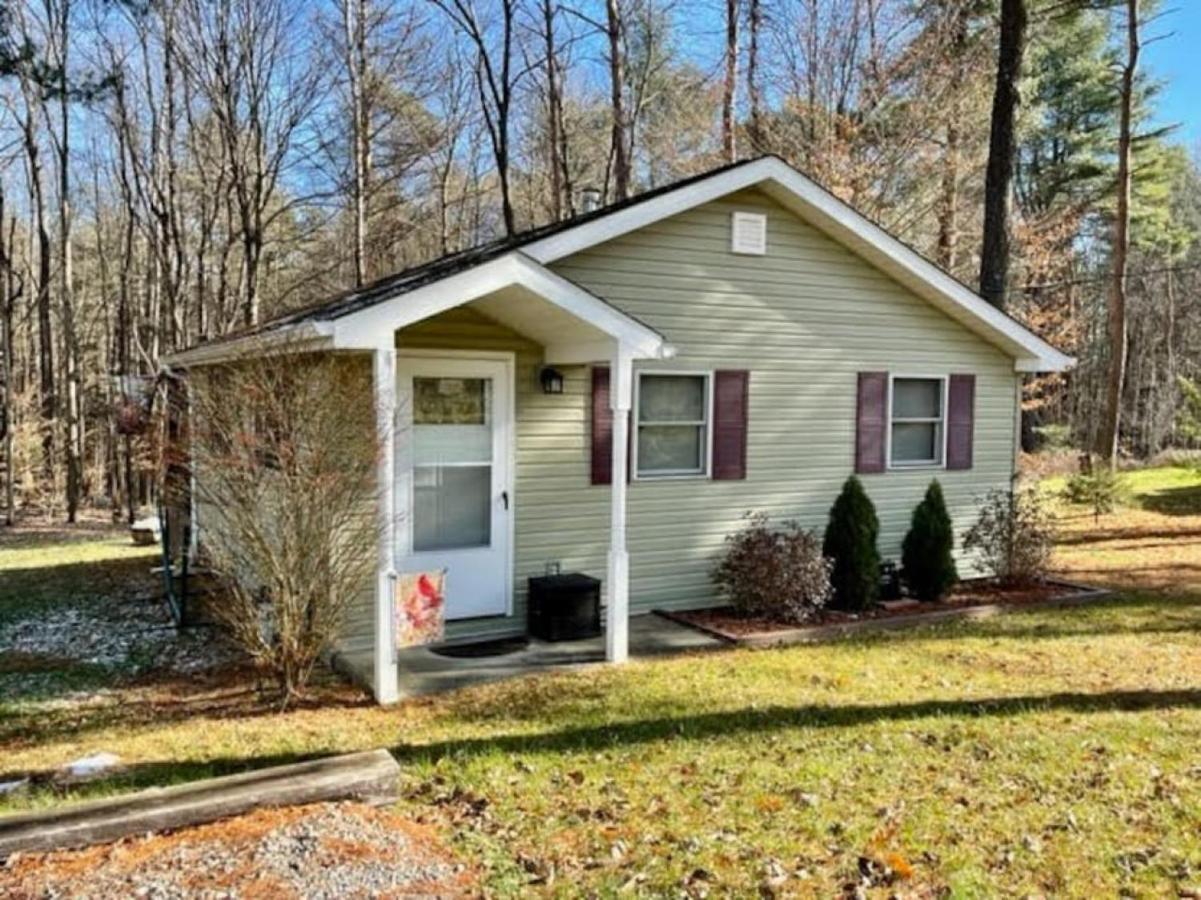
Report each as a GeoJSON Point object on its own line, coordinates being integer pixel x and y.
{"type": "Point", "coordinates": [1014, 535]}
{"type": "Point", "coordinates": [776, 572]}
{"type": "Point", "coordinates": [284, 451]}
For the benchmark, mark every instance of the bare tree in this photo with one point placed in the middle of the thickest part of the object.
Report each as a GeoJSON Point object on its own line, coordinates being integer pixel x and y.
{"type": "Point", "coordinates": [496, 77]}
{"type": "Point", "coordinates": [11, 288]}
{"type": "Point", "coordinates": [243, 58]}
{"type": "Point", "coordinates": [1116, 312]}
{"type": "Point", "coordinates": [28, 116]}
{"type": "Point", "coordinates": [58, 27]}
{"type": "Point", "coordinates": [556, 132]}
{"type": "Point", "coordinates": [619, 142]}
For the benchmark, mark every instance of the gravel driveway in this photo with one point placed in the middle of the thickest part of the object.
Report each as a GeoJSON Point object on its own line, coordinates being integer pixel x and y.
{"type": "Point", "coordinates": [331, 851]}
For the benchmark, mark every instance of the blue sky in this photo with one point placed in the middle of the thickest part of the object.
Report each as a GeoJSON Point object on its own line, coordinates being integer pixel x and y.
{"type": "Point", "coordinates": [1176, 61]}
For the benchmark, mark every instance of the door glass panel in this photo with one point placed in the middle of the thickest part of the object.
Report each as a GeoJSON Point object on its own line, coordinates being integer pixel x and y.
{"type": "Point", "coordinates": [452, 463]}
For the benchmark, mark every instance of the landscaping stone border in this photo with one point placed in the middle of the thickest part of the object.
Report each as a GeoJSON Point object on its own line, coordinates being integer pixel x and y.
{"type": "Point", "coordinates": [1077, 595]}
{"type": "Point", "coordinates": [370, 776]}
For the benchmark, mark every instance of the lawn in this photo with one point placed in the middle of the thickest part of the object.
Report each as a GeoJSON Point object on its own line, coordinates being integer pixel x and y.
{"type": "Point", "coordinates": [1041, 753]}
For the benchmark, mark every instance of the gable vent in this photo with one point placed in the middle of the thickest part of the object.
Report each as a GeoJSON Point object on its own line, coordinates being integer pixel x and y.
{"type": "Point", "coordinates": [748, 233]}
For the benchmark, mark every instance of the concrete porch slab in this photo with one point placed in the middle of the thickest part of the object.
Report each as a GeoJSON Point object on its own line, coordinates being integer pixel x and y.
{"type": "Point", "coordinates": [423, 672]}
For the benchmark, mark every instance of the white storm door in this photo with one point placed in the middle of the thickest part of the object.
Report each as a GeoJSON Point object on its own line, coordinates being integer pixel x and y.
{"type": "Point", "coordinates": [455, 494]}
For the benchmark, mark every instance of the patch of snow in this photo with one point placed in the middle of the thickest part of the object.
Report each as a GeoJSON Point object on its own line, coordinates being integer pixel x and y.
{"type": "Point", "coordinates": [87, 768]}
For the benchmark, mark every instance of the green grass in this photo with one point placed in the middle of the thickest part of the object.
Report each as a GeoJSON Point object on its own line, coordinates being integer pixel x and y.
{"type": "Point", "coordinates": [1048, 753]}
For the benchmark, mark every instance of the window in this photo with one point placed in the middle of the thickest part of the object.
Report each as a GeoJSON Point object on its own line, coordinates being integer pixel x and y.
{"type": "Point", "coordinates": [916, 426]}
{"type": "Point", "coordinates": [672, 425]}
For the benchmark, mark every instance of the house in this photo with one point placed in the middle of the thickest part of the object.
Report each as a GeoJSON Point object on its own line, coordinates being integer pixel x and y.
{"type": "Point", "coordinates": [738, 341]}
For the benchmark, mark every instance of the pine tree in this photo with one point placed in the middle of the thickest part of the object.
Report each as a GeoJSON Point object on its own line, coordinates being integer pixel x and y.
{"type": "Point", "coordinates": [851, 543]}
{"type": "Point", "coordinates": [926, 560]}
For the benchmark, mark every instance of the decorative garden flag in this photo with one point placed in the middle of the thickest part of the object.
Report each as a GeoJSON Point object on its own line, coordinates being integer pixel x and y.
{"type": "Point", "coordinates": [419, 605]}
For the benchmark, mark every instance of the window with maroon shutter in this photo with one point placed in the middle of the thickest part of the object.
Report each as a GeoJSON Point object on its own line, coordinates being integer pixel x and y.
{"type": "Point", "coordinates": [871, 422]}
{"type": "Point", "coordinates": [961, 404]}
{"type": "Point", "coordinates": [672, 422]}
{"type": "Point", "coordinates": [730, 402]}
{"type": "Point", "coordinates": [602, 428]}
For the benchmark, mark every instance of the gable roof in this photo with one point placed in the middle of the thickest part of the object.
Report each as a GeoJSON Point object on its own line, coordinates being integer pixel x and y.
{"type": "Point", "coordinates": [776, 178]}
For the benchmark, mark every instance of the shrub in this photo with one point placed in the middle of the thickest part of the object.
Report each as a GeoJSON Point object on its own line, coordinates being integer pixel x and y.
{"type": "Point", "coordinates": [1014, 535]}
{"type": "Point", "coordinates": [851, 544]}
{"type": "Point", "coordinates": [284, 451]}
{"type": "Point", "coordinates": [926, 561]}
{"type": "Point", "coordinates": [1099, 488]}
{"type": "Point", "coordinates": [774, 572]}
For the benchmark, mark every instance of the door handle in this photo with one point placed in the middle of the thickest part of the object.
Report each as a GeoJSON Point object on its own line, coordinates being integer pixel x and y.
{"type": "Point", "coordinates": [504, 498]}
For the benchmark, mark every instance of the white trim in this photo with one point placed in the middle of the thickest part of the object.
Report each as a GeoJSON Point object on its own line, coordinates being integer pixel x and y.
{"type": "Point", "coordinates": [840, 222]}
{"type": "Point", "coordinates": [385, 681]}
{"type": "Point", "coordinates": [506, 428]}
{"type": "Point", "coordinates": [302, 336]}
{"type": "Point", "coordinates": [921, 465]}
{"type": "Point", "coordinates": [362, 328]}
{"type": "Point", "coordinates": [617, 570]}
{"type": "Point", "coordinates": [706, 471]}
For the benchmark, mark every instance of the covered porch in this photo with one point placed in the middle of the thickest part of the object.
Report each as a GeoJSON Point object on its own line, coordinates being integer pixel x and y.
{"type": "Point", "coordinates": [491, 486]}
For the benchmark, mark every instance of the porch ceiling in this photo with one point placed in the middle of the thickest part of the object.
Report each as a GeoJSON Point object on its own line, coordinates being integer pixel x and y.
{"type": "Point", "coordinates": [565, 337]}
{"type": "Point", "coordinates": [572, 324]}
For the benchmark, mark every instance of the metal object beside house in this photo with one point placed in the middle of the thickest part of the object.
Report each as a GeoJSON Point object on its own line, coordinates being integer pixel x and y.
{"type": "Point", "coordinates": [564, 607]}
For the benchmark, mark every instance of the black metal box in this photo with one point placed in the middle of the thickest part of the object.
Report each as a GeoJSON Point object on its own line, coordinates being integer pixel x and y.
{"type": "Point", "coordinates": [564, 607]}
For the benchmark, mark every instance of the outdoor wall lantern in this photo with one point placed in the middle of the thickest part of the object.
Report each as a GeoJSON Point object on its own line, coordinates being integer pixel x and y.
{"type": "Point", "coordinates": [552, 380]}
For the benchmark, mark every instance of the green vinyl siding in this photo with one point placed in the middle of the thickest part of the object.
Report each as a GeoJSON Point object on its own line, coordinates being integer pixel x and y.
{"type": "Point", "coordinates": [804, 319]}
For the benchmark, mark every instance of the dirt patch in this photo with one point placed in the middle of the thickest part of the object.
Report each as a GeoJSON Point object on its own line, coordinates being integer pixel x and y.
{"type": "Point", "coordinates": [321, 851]}
{"type": "Point", "coordinates": [728, 623]}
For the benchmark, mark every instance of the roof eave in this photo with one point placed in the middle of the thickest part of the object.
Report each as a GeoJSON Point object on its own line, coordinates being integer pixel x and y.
{"type": "Point", "coordinates": [300, 337]}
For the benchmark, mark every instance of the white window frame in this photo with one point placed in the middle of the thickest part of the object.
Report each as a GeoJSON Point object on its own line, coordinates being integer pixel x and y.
{"type": "Point", "coordinates": [707, 424]}
{"type": "Point", "coordinates": [941, 422]}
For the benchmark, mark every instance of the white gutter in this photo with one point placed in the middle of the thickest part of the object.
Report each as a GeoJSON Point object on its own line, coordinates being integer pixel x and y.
{"type": "Point", "coordinates": [301, 337]}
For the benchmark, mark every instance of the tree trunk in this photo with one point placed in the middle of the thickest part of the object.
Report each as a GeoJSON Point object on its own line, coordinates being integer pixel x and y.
{"type": "Point", "coordinates": [48, 398]}
{"type": "Point", "coordinates": [62, 143]}
{"type": "Point", "coordinates": [618, 144]}
{"type": "Point", "coordinates": [556, 147]}
{"type": "Point", "coordinates": [1002, 148]}
{"type": "Point", "coordinates": [1116, 319]}
{"type": "Point", "coordinates": [8, 297]}
{"type": "Point", "coordinates": [948, 213]}
{"type": "Point", "coordinates": [753, 87]}
{"type": "Point", "coordinates": [729, 146]}
{"type": "Point", "coordinates": [354, 16]}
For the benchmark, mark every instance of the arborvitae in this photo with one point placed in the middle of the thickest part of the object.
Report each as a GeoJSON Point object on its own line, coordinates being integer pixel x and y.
{"type": "Point", "coordinates": [851, 543]}
{"type": "Point", "coordinates": [927, 564]}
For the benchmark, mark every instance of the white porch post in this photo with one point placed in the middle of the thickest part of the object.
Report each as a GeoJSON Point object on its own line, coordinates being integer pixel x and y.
{"type": "Point", "coordinates": [384, 370]}
{"type": "Point", "coordinates": [617, 628]}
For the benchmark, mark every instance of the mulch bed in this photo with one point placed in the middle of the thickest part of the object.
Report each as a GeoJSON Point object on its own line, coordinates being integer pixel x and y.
{"type": "Point", "coordinates": [978, 596]}
{"type": "Point", "coordinates": [330, 850]}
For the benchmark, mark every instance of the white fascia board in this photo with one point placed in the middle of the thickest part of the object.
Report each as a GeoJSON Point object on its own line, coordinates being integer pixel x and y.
{"type": "Point", "coordinates": [831, 215]}
{"type": "Point", "coordinates": [301, 337]}
{"type": "Point", "coordinates": [375, 325]}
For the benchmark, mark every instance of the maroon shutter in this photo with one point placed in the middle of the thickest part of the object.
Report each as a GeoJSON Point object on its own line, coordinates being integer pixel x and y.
{"type": "Point", "coordinates": [961, 402]}
{"type": "Point", "coordinates": [602, 428]}
{"type": "Point", "coordinates": [730, 388]}
{"type": "Point", "coordinates": [871, 418]}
